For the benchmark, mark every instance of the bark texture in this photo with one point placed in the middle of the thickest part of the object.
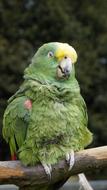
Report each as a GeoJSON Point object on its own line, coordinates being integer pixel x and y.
{"type": "Point", "coordinates": [34, 178]}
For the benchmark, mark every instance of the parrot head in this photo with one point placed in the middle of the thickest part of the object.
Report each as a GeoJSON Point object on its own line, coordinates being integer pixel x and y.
{"type": "Point", "coordinates": [53, 62]}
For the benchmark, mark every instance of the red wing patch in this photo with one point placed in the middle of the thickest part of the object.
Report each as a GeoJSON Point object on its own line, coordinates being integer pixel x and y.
{"type": "Point", "coordinates": [28, 104]}
{"type": "Point", "coordinates": [14, 157]}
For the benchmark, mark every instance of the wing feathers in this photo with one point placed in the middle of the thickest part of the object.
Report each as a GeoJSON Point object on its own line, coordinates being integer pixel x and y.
{"type": "Point", "coordinates": [15, 123]}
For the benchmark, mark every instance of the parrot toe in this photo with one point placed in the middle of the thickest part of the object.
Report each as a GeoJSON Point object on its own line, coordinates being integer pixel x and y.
{"type": "Point", "coordinates": [48, 169]}
{"type": "Point", "coordinates": [70, 159]}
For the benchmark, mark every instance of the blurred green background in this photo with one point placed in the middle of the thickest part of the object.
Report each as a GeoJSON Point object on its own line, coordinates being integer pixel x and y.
{"type": "Point", "coordinates": [25, 25]}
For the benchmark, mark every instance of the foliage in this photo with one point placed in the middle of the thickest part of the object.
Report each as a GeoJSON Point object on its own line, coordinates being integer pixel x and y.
{"type": "Point", "coordinates": [26, 24]}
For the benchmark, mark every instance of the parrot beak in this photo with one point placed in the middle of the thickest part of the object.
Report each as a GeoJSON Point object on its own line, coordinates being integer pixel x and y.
{"type": "Point", "coordinates": [64, 68]}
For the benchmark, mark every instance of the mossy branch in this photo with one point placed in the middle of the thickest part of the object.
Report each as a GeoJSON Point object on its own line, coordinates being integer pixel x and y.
{"type": "Point", "coordinates": [13, 172]}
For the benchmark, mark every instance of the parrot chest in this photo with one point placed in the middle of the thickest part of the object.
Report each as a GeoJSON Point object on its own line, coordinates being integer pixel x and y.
{"type": "Point", "coordinates": [56, 118]}
{"type": "Point", "coordinates": [52, 120]}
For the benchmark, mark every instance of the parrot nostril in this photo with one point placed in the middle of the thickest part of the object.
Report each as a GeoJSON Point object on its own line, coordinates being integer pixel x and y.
{"type": "Point", "coordinates": [65, 57]}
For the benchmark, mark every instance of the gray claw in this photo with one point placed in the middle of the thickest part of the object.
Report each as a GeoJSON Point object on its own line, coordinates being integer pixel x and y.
{"type": "Point", "coordinates": [48, 169]}
{"type": "Point", "coordinates": [70, 159]}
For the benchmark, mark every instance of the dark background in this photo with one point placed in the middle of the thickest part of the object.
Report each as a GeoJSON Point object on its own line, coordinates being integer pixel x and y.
{"type": "Point", "coordinates": [25, 25]}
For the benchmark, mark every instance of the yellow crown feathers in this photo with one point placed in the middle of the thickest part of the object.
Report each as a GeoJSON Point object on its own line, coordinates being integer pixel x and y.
{"type": "Point", "coordinates": [65, 49]}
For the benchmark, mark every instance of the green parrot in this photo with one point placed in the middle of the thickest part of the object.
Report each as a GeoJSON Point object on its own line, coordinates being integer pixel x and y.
{"type": "Point", "coordinates": [46, 119]}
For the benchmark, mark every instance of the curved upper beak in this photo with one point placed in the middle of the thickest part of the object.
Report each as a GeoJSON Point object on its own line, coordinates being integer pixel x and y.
{"type": "Point", "coordinates": [64, 68]}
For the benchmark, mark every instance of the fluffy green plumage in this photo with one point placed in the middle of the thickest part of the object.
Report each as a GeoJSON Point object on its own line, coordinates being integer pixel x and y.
{"type": "Point", "coordinates": [57, 120]}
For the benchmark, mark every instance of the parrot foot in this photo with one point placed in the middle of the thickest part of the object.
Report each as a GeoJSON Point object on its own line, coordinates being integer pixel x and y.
{"type": "Point", "coordinates": [48, 169]}
{"type": "Point", "coordinates": [70, 159]}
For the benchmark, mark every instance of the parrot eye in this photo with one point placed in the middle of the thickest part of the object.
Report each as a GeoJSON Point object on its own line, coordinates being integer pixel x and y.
{"type": "Point", "coordinates": [50, 54]}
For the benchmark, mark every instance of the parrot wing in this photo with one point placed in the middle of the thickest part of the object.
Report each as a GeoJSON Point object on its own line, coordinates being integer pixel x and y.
{"type": "Point", "coordinates": [15, 122]}
{"type": "Point", "coordinates": [87, 135]}
{"type": "Point", "coordinates": [84, 110]}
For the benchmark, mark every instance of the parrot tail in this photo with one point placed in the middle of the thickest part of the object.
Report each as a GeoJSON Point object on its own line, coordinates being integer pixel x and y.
{"type": "Point", "coordinates": [13, 157]}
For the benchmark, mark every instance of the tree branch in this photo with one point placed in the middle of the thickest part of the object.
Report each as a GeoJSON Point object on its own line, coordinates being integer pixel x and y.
{"type": "Point", "coordinates": [13, 172]}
